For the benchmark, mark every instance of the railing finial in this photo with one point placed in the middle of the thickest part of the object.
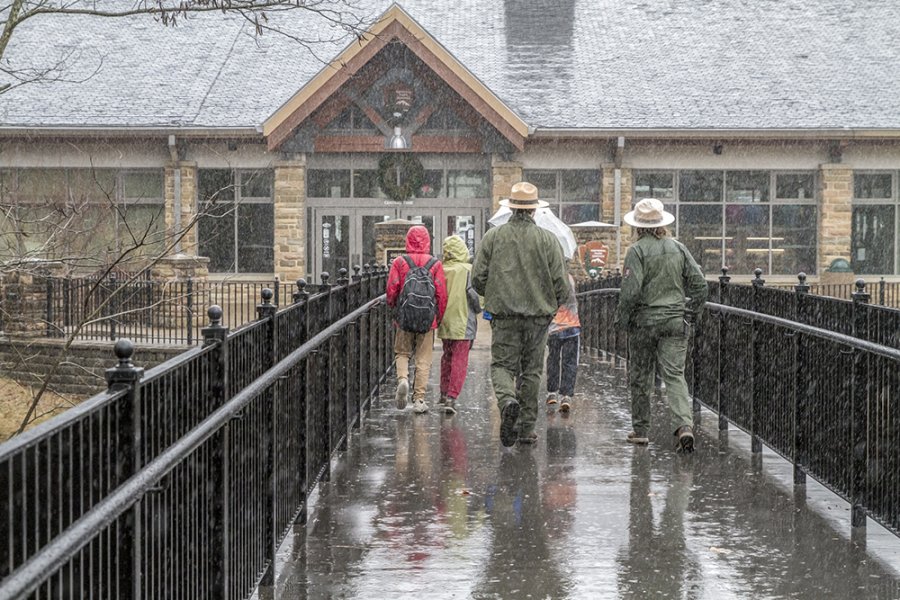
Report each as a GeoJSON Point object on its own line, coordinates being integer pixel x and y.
{"type": "Point", "coordinates": [267, 295]}
{"type": "Point", "coordinates": [214, 313]}
{"type": "Point", "coordinates": [124, 351]}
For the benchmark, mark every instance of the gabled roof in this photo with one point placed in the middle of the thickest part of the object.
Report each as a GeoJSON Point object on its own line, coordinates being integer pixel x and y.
{"type": "Point", "coordinates": [395, 23]}
{"type": "Point", "coordinates": [563, 66]}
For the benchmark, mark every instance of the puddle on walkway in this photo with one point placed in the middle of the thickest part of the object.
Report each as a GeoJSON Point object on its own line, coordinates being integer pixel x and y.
{"type": "Point", "coordinates": [425, 506]}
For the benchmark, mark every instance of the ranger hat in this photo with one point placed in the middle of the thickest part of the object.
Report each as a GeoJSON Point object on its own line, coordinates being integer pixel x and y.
{"type": "Point", "coordinates": [649, 213]}
{"type": "Point", "coordinates": [523, 196]}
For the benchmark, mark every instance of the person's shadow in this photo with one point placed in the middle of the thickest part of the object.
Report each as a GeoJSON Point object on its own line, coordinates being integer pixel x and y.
{"type": "Point", "coordinates": [520, 562]}
{"type": "Point", "coordinates": [657, 563]}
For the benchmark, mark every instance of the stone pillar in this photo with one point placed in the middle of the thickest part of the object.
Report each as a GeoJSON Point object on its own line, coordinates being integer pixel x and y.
{"type": "Point", "coordinates": [188, 184]}
{"type": "Point", "coordinates": [835, 214]}
{"type": "Point", "coordinates": [290, 219]}
{"type": "Point", "coordinates": [608, 209]}
{"type": "Point", "coordinates": [185, 288]}
{"type": "Point", "coordinates": [24, 299]}
{"type": "Point", "coordinates": [503, 175]}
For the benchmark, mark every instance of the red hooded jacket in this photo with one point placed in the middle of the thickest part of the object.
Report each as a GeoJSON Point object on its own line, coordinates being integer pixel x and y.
{"type": "Point", "coordinates": [418, 247]}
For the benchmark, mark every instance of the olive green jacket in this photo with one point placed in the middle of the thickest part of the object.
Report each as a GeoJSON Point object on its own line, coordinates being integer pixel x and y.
{"type": "Point", "coordinates": [658, 274]}
{"type": "Point", "coordinates": [520, 270]}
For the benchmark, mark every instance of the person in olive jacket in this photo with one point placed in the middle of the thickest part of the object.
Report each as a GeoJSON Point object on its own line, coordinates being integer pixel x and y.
{"type": "Point", "coordinates": [659, 273]}
{"type": "Point", "coordinates": [521, 272]}
{"type": "Point", "coordinates": [457, 330]}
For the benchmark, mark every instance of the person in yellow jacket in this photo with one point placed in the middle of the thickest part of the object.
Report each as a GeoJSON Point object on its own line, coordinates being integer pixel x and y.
{"type": "Point", "coordinates": [457, 330]}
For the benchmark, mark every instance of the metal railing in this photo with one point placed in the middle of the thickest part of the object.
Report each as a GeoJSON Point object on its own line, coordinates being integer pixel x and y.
{"type": "Point", "coordinates": [883, 293]}
{"type": "Point", "coordinates": [144, 310]}
{"type": "Point", "coordinates": [181, 482]}
{"type": "Point", "coordinates": [815, 379]}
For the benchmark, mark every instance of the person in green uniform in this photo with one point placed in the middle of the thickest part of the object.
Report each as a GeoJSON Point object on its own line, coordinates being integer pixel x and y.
{"type": "Point", "coordinates": [521, 273]}
{"type": "Point", "coordinates": [659, 273]}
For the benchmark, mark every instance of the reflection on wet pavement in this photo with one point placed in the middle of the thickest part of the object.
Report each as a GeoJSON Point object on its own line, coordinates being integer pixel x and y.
{"type": "Point", "coordinates": [428, 506]}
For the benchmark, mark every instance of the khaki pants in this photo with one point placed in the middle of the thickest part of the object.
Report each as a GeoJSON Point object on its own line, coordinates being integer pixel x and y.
{"type": "Point", "coordinates": [404, 344]}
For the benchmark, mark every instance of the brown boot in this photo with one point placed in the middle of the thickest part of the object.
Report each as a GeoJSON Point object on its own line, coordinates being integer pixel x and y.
{"type": "Point", "coordinates": [640, 439]}
{"type": "Point", "coordinates": [684, 439]}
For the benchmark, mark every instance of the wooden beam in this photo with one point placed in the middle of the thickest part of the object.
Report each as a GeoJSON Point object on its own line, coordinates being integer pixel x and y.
{"type": "Point", "coordinates": [420, 144]}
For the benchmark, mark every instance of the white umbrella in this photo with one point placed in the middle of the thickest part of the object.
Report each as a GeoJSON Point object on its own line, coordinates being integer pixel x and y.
{"type": "Point", "coordinates": [544, 219]}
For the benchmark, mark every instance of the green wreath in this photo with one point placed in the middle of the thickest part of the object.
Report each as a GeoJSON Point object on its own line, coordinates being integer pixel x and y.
{"type": "Point", "coordinates": [412, 174]}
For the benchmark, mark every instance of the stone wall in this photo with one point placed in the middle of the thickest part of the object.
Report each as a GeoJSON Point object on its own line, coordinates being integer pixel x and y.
{"type": "Point", "coordinates": [503, 175]}
{"type": "Point", "coordinates": [835, 214]}
{"type": "Point", "coordinates": [81, 368]}
{"type": "Point", "coordinates": [290, 219]}
{"type": "Point", "coordinates": [188, 204]}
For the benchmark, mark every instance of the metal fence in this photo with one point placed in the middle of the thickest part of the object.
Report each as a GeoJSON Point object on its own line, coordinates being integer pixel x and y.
{"type": "Point", "coordinates": [157, 312]}
{"type": "Point", "coordinates": [816, 379]}
{"type": "Point", "coordinates": [181, 482]}
{"type": "Point", "coordinates": [883, 293]}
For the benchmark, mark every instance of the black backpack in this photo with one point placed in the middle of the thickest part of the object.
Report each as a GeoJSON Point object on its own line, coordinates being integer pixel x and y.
{"type": "Point", "coordinates": [416, 306]}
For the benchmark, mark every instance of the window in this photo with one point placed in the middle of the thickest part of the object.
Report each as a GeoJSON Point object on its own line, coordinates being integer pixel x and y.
{"type": "Point", "coordinates": [730, 218]}
{"type": "Point", "coordinates": [90, 214]}
{"type": "Point", "coordinates": [364, 183]}
{"type": "Point", "coordinates": [573, 194]}
{"type": "Point", "coordinates": [236, 224]}
{"type": "Point", "coordinates": [874, 224]}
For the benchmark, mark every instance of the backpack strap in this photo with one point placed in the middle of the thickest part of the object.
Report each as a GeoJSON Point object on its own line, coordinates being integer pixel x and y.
{"type": "Point", "coordinates": [409, 261]}
{"type": "Point", "coordinates": [431, 262]}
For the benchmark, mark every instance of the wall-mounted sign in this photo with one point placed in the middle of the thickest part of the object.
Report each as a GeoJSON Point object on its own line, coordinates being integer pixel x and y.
{"type": "Point", "coordinates": [594, 254]}
{"type": "Point", "coordinates": [326, 240]}
{"type": "Point", "coordinates": [399, 98]}
{"type": "Point", "coordinates": [391, 253]}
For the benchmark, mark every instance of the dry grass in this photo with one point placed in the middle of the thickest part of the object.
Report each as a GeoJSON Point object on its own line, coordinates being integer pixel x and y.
{"type": "Point", "coordinates": [15, 399]}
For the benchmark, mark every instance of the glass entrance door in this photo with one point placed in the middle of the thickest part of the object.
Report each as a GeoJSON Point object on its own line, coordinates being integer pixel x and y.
{"type": "Point", "coordinates": [343, 237]}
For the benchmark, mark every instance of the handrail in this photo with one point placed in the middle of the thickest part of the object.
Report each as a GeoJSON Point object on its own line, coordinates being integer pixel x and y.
{"type": "Point", "coordinates": [818, 332]}
{"type": "Point", "coordinates": [55, 554]}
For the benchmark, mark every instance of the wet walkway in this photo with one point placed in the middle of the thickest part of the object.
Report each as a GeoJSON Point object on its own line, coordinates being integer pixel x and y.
{"type": "Point", "coordinates": [426, 506]}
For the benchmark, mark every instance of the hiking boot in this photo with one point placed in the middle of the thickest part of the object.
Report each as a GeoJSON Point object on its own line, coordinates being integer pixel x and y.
{"type": "Point", "coordinates": [528, 438]}
{"type": "Point", "coordinates": [401, 393]}
{"type": "Point", "coordinates": [565, 404]}
{"type": "Point", "coordinates": [509, 415]}
{"type": "Point", "coordinates": [551, 398]}
{"type": "Point", "coordinates": [449, 406]}
{"type": "Point", "coordinates": [637, 438]}
{"type": "Point", "coordinates": [419, 406]}
{"type": "Point", "coordinates": [684, 439]}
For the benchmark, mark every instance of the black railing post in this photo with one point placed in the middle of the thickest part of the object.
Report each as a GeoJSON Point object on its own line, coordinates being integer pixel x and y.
{"type": "Point", "coordinates": [881, 294]}
{"type": "Point", "coordinates": [756, 390]}
{"type": "Point", "coordinates": [859, 409]}
{"type": "Point", "coordinates": [67, 301]}
{"type": "Point", "coordinates": [267, 311]}
{"type": "Point", "coordinates": [49, 310]}
{"type": "Point", "coordinates": [367, 281]}
{"type": "Point", "coordinates": [721, 392]}
{"type": "Point", "coordinates": [112, 306]}
{"type": "Point", "coordinates": [125, 376]}
{"type": "Point", "coordinates": [189, 307]}
{"type": "Point", "coordinates": [220, 470]}
{"type": "Point", "coordinates": [277, 291]}
{"type": "Point", "coordinates": [301, 294]}
{"type": "Point", "coordinates": [356, 299]}
{"type": "Point", "coordinates": [801, 290]}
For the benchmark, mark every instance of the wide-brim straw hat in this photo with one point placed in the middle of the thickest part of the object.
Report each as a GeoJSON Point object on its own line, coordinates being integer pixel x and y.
{"type": "Point", "coordinates": [649, 213]}
{"type": "Point", "coordinates": [523, 196]}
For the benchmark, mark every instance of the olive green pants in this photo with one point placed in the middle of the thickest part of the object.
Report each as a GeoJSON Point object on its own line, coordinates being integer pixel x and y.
{"type": "Point", "coordinates": [665, 346]}
{"type": "Point", "coordinates": [518, 345]}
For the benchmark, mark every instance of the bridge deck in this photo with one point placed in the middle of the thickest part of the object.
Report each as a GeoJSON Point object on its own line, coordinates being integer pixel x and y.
{"type": "Point", "coordinates": [425, 506]}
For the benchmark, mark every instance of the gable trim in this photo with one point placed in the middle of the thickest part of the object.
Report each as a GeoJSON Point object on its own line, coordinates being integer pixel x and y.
{"type": "Point", "coordinates": [394, 24]}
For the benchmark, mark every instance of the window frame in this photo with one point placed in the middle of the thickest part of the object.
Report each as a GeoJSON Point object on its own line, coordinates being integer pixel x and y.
{"type": "Point", "coordinates": [557, 203]}
{"type": "Point", "coordinates": [893, 200]}
{"type": "Point", "coordinates": [237, 178]}
{"type": "Point", "coordinates": [772, 201]}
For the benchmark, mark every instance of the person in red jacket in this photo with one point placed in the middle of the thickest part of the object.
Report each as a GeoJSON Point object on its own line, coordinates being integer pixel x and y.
{"type": "Point", "coordinates": [418, 248]}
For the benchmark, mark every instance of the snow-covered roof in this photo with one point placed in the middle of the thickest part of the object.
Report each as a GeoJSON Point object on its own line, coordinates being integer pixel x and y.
{"type": "Point", "coordinates": [565, 64]}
